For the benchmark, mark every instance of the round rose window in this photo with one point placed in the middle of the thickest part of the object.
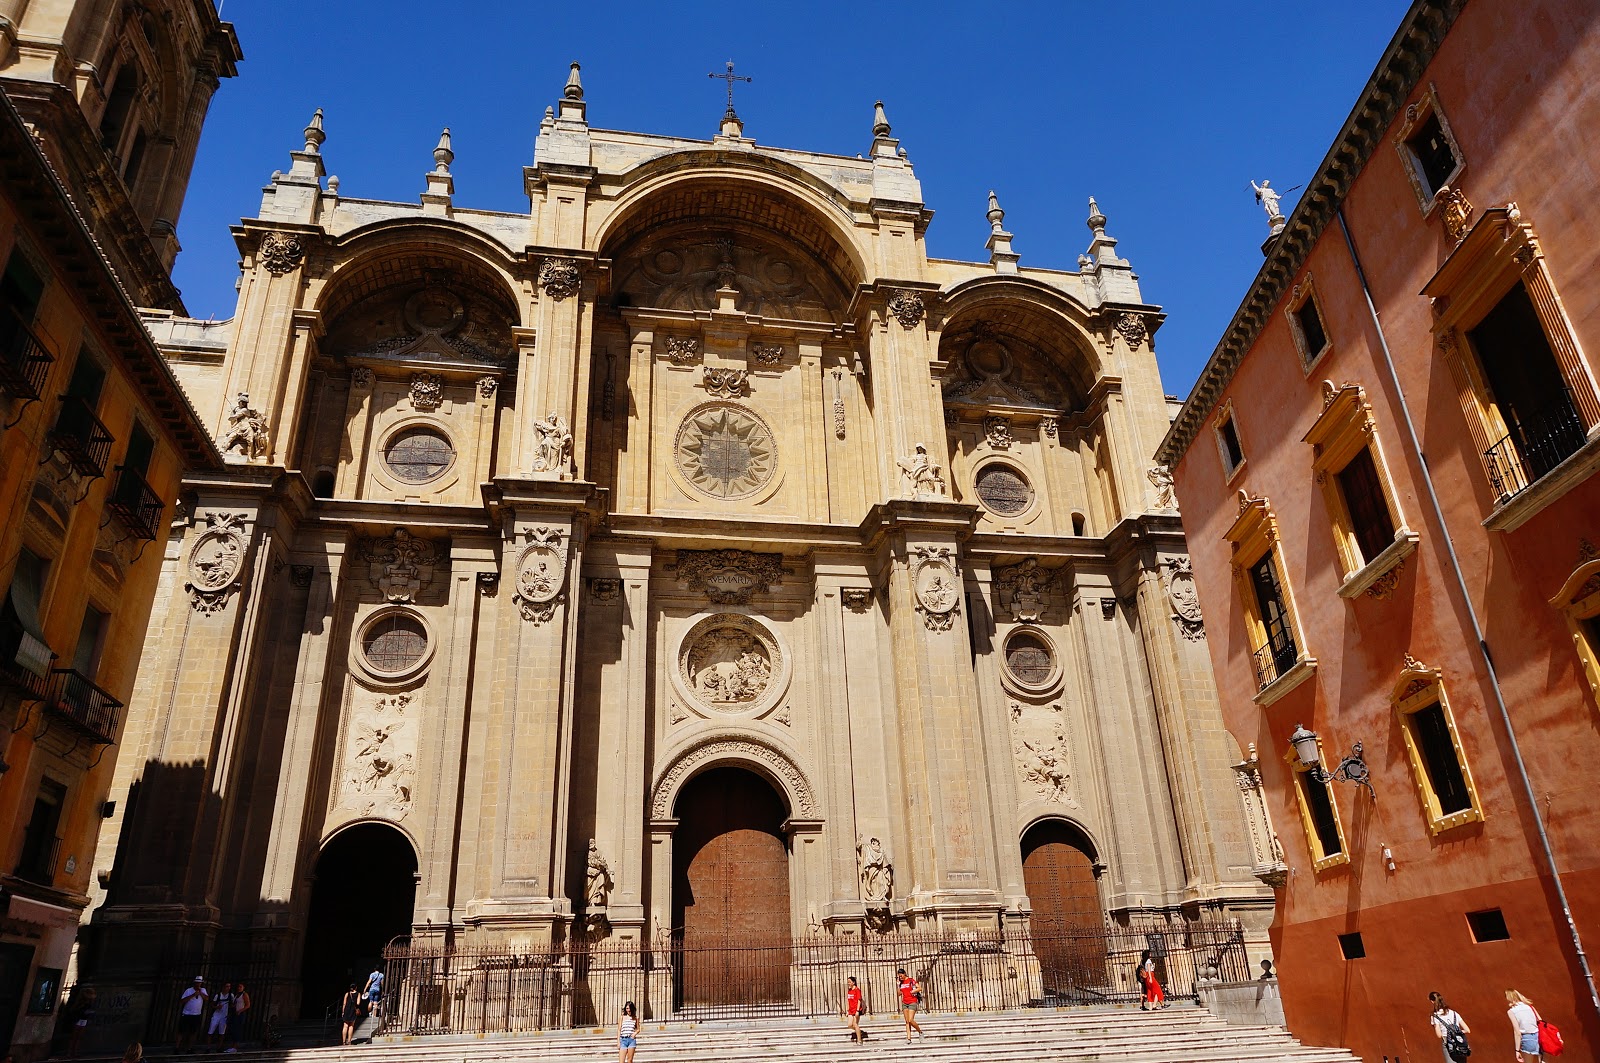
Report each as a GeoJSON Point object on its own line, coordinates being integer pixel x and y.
{"type": "Point", "coordinates": [419, 455]}
{"type": "Point", "coordinates": [1002, 490]}
{"type": "Point", "coordinates": [1029, 659]}
{"type": "Point", "coordinates": [394, 643]}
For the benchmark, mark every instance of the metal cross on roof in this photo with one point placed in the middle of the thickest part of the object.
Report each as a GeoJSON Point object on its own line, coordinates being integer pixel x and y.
{"type": "Point", "coordinates": [730, 77]}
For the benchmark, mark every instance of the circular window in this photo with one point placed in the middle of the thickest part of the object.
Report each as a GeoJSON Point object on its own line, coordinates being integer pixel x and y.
{"type": "Point", "coordinates": [394, 643]}
{"type": "Point", "coordinates": [1003, 490]}
{"type": "Point", "coordinates": [1029, 659]}
{"type": "Point", "coordinates": [419, 455]}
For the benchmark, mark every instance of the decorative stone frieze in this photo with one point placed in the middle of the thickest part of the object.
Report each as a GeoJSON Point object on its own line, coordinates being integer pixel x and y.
{"type": "Point", "coordinates": [215, 562]}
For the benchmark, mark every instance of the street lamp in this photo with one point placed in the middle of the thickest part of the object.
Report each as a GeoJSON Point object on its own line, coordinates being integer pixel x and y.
{"type": "Point", "coordinates": [1351, 769]}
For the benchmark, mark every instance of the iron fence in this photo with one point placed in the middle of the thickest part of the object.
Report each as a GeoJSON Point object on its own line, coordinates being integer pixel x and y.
{"type": "Point", "coordinates": [454, 990]}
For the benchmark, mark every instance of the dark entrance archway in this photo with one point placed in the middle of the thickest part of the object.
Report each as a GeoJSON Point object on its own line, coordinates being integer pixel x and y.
{"type": "Point", "coordinates": [365, 887]}
{"type": "Point", "coordinates": [1069, 928]}
{"type": "Point", "coordinates": [730, 890]}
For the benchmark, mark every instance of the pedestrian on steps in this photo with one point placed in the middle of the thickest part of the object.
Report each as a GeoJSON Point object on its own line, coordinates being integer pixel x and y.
{"type": "Point", "coordinates": [1451, 1028]}
{"type": "Point", "coordinates": [1154, 997]}
{"type": "Point", "coordinates": [350, 1013]}
{"type": "Point", "coordinates": [627, 1033]}
{"type": "Point", "coordinates": [910, 1001]}
{"type": "Point", "coordinates": [854, 1008]}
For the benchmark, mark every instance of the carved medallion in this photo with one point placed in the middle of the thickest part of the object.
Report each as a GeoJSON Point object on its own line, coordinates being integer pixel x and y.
{"type": "Point", "coordinates": [215, 561]}
{"type": "Point", "coordinates": [729, 577]}
{"type": "Point", "coordinates": [937, 587]}
{"type": "Point", "coordinates": [559, 278]}
{"type": "Point", "coordinates": [907, 308]}
{"type": "Point", "coordinates": [725, 451]}
{"type": "Point", "coordinates": [400, 565]}
{"type": "Point", "coordinates": [728, 662]}
{"type": "Point", "coordinates": [281, 252]}
{"type": "Point", "coordinates": [541, 575]}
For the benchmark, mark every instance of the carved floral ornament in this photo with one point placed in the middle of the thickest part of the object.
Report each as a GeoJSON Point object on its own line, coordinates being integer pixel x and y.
{"type": "Point", "coordinates": [280, 252]}
{"type": "Point", "coordinates": [729, 577]}
{"type": "Point", "coordinates": [764, 759]}
{"type": "Point", "coordinates": [937, 586]}
{"type": "Point", "coordinates": [907, 308]}
{"type": "Point", "coordinates": [215, 562]}
{"type": "Point", "coordinates": [540, 574]}
{"type": "Point", "coordinates": [559, 278]}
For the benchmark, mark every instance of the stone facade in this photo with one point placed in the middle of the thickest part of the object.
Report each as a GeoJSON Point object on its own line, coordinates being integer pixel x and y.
{"type": "Point", "coordinates": [701, 462]}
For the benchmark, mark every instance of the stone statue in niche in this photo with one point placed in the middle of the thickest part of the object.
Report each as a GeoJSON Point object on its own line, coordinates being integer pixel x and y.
{"type": "Point", "coordinates": [246, 432]}
{"type": "Point", "coordinates": [921, 474]}
{"type": "Point", "coordinates": [597, 878]}
{"type": "Point", "coordinates": [554, 453]}
{"type": "Point", "coordinates": [877, 873]}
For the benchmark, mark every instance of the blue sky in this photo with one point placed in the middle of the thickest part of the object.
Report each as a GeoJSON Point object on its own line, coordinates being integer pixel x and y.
{"type": "Point", "coordinates": [1162, 110]}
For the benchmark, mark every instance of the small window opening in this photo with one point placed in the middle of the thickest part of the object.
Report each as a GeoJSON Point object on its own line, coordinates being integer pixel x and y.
{"type": "Point", "coordinates": [1488, 925]}
{"type": "Point", "coordinates": [1232, 451]}
{"type": "Point", "coordinates": [1365, 501]}
{"type": "Point", "coordinates": [1352, 947]}
{"type": "Point", "coordinates": [1432, 733]}
{"type": "Point", "coordinates": [1311, 330]}
{"type": "Point", "coordinates": [1435, 157]}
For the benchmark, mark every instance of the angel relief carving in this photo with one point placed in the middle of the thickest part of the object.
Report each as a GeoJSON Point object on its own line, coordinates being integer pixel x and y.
{"type": "Point", "coordinates": [380, 764]}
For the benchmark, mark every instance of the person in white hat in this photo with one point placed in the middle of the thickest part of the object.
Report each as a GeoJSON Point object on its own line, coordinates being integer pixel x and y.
{"type": "Point", "coordinates": [191, 1010]}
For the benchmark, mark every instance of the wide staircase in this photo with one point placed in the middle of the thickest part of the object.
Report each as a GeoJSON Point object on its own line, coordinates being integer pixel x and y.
{"type": "Point", "coordinates": [1181, 1034]}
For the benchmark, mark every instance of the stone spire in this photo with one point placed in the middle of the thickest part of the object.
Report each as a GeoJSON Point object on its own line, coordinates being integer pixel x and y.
{"type": "Point", "coordinates": [441, 186]}
{"type": "Point", "coordinates": [1001, 257]}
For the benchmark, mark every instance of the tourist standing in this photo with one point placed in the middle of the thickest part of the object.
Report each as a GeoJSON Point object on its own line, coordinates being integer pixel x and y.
{"type": "Point", "coordinates": [350, 1013]}
{"type": "Point", "coordinates": [854, 1008]}
{"type": "Point", "coordinates": [1451, 1028]}
{"type": "Point", "coordinates": [221, 1005]}
{"type": "Point", "coordinates": [1524, 1026]}
{"type": "Point", "coordinates": [1154, 996]}
{"type": "Point", "coordinates": [236, 1016]}
{"type": "Point", "coordinates": [191, 1013]}
{"type": "Point", "coordinates": [910, 999]}
{"type": "Point", "coordinates": [627, 1033]}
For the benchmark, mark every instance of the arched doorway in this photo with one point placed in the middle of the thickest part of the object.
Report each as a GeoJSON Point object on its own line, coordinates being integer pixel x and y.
{"type": "Point", "coordinates": [362, 896]}
{"type": "Point", "coordinates": [1069, 930]}
{"type": "Point", "coordinates": [730, 890]}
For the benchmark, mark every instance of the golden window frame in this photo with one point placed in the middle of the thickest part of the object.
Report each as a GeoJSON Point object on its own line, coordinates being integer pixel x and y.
{"type": "Point", "coordinates": [1254, 534]}
{"type": "Point", "coordinates": [1501, 249]}
{"type": "Point", "coordinates": [1321, 860]}
{"type": "Point", "coordinates": [1306, 292]}
{"type": "Point", "coordinates": [1341, 432]}
{"type": "Point", "coordinates": [1579, 600]}
{"type": "Point", "coordinates": [1415, 115]}
{"type": "Point", "coordinates": [1419, 687]}
{"type": "Point", "coordinates": [1224, 416]}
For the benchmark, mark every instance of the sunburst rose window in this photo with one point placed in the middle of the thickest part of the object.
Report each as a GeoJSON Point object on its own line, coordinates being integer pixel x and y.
{"type": "Point", "coordinates": [725, 451]}
{"type": "Point", "coordinates": [418, 456]}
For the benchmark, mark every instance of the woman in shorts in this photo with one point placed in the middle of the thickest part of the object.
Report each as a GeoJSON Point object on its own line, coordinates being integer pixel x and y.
{"type": "Point", "coordinates": [627, 1033]}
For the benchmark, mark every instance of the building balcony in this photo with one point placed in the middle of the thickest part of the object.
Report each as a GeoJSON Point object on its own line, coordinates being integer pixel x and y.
{"type": "Point", "coordinates": [24, 363]}
{"type": "Point", "coordinates": [24, 660]}
{"type": "Point", "coordinates": [135, 506]}
{"type": "Point", "coordinates": [1532, 448]}
{"type": "Point", "coordinates": [82, 707]}
{"type": "Point", "coordinates": [81, 440]}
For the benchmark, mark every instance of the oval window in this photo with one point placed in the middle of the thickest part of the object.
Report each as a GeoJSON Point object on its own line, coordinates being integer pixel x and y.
{"type": "Point", "coordinates": [419, 455]}
{"type": "Point", "coordinates": [1029, 659]}
{"type": "Point", "coordinates": [394, 643]}
{"type": "Point", "coordinates": [1003, 490]}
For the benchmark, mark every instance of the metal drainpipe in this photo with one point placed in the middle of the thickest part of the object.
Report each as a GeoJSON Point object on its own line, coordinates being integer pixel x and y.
{"type": "Point", "coordinates": [1472, 615]}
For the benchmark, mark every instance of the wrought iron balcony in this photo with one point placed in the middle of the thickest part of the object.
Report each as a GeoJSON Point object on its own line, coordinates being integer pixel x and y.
{"type": "Point", "coordinates": [24, 660]}
{"type": "Point", "coordinates": [1534, 446]}
{"type": "Point", "coordinates": [24, 363]}
{"type": "Point", "coordinates": [83, 707]}
{"type": "Point", "coordinates": [135, 505]}
{"type": "Point", "coordinates": [1273, 661]}
{"type": "Point", "coordinates": [81, 438]}
{"type": "Point", "coordinates": [37, 863]}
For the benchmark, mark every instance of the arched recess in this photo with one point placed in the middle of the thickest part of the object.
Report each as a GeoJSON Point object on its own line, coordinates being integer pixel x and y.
{"type": "Point", "coordinates": [1060, 871]}
{"type": "Point", "coordinates": [362, 896]}
{"type": "Point", "coordinates": [769, 762]}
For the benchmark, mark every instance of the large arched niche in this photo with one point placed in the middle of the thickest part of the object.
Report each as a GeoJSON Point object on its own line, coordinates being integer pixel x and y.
{"type": "Point", "coordinates": [432, 292]}
{"type": "Point", "coordinates": [1015, 342]}
{"type": "Point", "coordinates": [677, 239]}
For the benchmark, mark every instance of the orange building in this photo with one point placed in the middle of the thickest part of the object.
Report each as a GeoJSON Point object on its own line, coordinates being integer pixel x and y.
{"type": "Point", "coordinates": [95, 434]}
{"type": "Point", "coordinates": [1387, 478]}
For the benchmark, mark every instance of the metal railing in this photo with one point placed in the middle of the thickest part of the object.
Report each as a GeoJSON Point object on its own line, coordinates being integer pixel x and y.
{"type": "Point", "coordinates": [24, 362]}
{"type": "Point", "coordinates": [74, 699]}
{"type": "Point", "coordinates": [80, 438]}
{"type": "Point", "coordinates": [440, 990]}
{"type": "Point", "coordinates": [135, 505]}
{"type": "Point", "coordinates": [1532, 447]}
{"type": "Point", "coordinates": [1271, 662]}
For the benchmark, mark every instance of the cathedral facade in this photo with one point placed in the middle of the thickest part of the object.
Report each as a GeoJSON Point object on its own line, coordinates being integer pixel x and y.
{"type": "Point", "coordinates": [689, 555]}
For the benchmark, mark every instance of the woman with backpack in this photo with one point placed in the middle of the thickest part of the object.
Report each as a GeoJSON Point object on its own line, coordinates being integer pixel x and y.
{"type": "Point", "coordinates": [1451, 1028]}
